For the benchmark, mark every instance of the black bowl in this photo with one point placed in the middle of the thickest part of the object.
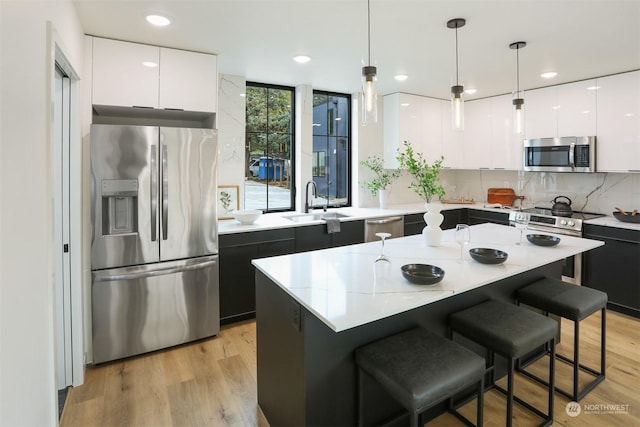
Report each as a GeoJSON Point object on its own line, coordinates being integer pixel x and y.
{"type": "Point", "coordinates": [422, 274]}
{"type": "Point", "coordinates": [543, 239]}
{"type": "Point", "coordinates": [635, 219]}
{"type": "Point", "coordinates": [488, 256]}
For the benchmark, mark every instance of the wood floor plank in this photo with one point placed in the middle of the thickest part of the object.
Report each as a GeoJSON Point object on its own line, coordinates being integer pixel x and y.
{"type": "Point", "coordinates": [213, 382]}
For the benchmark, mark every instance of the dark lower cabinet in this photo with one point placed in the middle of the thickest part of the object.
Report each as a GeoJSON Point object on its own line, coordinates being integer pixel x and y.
{"type": "Point", "coordinates": [481, 217]}
{"type": "Point", "coordinates": [237, 274]}
{"type": "Point", "coordinates": [313, 237]}
{"type": "Point", "coordinates": [414, 223]}
{"type": "Point", "coordinates": [615, 267]}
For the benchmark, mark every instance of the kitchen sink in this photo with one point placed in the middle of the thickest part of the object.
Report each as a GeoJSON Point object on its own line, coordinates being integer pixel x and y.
{"type": "Point", "coordinates": [308, 217]}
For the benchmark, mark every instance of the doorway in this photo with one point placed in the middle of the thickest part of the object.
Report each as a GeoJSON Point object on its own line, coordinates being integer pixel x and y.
{"type": "Point", "coordinates": [61, 168]}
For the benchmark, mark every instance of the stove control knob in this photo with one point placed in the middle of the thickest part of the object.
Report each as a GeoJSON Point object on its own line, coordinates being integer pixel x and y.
{"type": "Point", "coordinates": [563, 222]}
{"type": "Point", "coordinates": [571, 223]}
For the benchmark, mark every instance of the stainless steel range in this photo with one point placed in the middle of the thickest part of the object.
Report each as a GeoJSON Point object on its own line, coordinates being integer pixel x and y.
{"type": "Point", "coordinates": [541, 219]}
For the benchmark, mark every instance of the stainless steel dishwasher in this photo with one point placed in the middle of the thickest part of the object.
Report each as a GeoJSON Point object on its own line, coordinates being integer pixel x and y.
{"type": "Point", "coordinates": [390, 224]}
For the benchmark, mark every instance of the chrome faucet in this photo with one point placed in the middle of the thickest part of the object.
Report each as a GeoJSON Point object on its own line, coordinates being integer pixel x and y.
{"type": "Point", "coordinates": [314, 193]}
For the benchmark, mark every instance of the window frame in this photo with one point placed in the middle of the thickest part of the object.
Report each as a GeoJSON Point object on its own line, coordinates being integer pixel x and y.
{"type": "Point", "coordinates": [292, 144]}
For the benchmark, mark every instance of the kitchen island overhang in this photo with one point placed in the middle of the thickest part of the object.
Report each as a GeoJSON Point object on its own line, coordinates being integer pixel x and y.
{"type": "Point", "coordinates": [315, 308]}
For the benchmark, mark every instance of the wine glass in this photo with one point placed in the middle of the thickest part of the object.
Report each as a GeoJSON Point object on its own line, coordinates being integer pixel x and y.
{"type": "Point", "coordinates": [382, 257]}
{"type": "Point", "coordinates": [463, 236]}
{"type": "Point", "coordinates": [521, 223]}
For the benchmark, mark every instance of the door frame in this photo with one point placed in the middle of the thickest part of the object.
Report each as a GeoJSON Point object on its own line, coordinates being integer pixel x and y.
{"type": "Point", "coordinates": [57, 54]}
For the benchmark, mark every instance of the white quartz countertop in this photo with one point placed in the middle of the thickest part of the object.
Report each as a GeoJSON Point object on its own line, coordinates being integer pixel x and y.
{"type": "Point", "coordinates": [341, 288]}
{"type": "Point", "coordinates": [277, 220]}
{"type": "Point", "coordinates": [272, 221]}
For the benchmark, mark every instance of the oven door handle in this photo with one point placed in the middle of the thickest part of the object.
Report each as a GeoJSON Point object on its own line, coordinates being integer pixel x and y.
{"type": "Point", "coordinates": [572, 156]}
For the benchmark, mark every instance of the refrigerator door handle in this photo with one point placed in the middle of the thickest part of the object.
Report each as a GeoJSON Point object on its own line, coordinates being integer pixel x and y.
{"type": "Point", "coordinates": [151, 273]}
{"type": "Point", "coordinates": [165, 195]}
{"type": "Point", "coordinates": [154, 191]}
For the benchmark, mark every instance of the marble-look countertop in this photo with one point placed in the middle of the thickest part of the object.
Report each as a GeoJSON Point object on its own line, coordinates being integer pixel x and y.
{"type": "Point", "coordinates": [344, 290]}
{"type": "Point", "coordinates": [272, 221]}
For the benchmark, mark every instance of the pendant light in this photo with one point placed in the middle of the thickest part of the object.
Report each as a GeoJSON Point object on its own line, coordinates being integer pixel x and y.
{"type": "Point", "coordinates": [369, 101]}
{"type": "Point", "coordinates": [457, 90]}
{"type": "Point", "coordinates": [518, 96]}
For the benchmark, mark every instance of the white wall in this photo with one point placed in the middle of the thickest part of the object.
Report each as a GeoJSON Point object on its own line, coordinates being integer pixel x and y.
{"type": "Point", "coordinates": [27, 368]}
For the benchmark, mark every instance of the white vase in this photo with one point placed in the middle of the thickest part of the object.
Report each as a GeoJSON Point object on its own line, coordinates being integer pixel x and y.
{"type": "Point", "coordinates": [382, 198]}
{"type": "Point", "coordinates": [432, 233]}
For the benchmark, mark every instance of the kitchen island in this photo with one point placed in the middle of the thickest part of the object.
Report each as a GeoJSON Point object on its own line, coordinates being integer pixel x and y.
{"type": "Point", "coordinates": [315, 308]}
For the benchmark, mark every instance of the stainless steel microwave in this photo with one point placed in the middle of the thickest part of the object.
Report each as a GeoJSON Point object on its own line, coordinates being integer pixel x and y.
{"type": "Point", "coordinates": [565, 154]}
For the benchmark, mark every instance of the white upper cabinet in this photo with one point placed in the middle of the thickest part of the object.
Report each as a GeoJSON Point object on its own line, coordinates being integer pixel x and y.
{"type": "Point", "coordinates": [618, 136]}
{"type": "Point", "coordinates": [411, 118]}
{"type": "Point", "coordinates": [563, 110]}
{"type": "Point", "coordinates": [577, 112]}
{"type": "Point", "coordinates": [120, 76]}
{"type": "Point", "coordinates": [477, 134]}
{"type": "Point", "coordinates": [506, 146]}
{"type": "Point", "coordinates": [188, 80]}
{"type": "Point", "coordinates": [137, 75]}
{"type": "Point", "coordinates": [541, 113]}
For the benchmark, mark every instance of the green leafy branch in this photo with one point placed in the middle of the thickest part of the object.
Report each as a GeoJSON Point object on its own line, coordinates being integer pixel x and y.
{"type": "Point", "coordinates": [426, 178]}
{"type": "Point", "coordinates": [382, 177]}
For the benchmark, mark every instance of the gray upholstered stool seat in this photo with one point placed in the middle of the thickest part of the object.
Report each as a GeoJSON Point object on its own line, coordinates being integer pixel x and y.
{"type": "Point", "coordinates": [420, 369]}
{"type": "Point", "coordinates": [574, 303]}
{"type": "Point", "coordinates": [511, 332]}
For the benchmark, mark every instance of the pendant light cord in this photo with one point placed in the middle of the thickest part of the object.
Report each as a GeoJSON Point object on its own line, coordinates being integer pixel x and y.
{"type": "Point", "coordinates": [518, 72]}
{"type": "Point", "coordinates": [369, 29]}
{"type": "Point", "coordinates": [456, 55]}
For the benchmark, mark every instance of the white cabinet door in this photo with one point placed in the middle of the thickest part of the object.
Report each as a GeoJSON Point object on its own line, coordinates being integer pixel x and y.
{"type": "Point", "coordinates": [120, 76]}
{"type": "Point", "coordinates": [577, 112]}
{"type": "Point", "coordinates": [188, 80]}
{"type": "Point", "coordinates": [541, 112]}
{"type": "Point", "coordinates": [403, 114]}
{"type": "Point", "coordinates": [477, 135]}
{"type": "Point", "coordinates": [506, 146]}
{"type": "Point", "coordinates": [431, 129]}
{"type": "Point", "coordinates": [618, 136]}
{"type": "Point", "coordinates": [452, 140]}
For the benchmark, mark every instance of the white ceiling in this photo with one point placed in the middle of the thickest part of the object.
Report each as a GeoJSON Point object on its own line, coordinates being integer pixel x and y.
{"type": "Point", "coordinates": [258, 38]}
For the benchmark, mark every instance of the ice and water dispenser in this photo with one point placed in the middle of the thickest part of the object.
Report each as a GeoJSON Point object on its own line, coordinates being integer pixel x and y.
{"type": "Point", "coordinates": [119, 206]}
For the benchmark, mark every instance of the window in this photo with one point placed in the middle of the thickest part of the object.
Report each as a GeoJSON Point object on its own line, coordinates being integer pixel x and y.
{"type": "Point", "coordinates": [269, 147]}
{"type": "Point", "coordinates": [332, 147]}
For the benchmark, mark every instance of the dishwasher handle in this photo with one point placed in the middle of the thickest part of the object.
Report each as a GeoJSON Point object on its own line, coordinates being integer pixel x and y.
{"type": "Point", "coordinates": [384, 220]}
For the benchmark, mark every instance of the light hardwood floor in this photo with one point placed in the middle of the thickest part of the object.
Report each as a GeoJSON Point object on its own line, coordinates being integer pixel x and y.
{"type": "Point", "coordinates": [213, 383]}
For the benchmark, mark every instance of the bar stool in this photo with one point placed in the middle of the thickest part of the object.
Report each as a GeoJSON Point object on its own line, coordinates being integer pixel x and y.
{"type": "Point", "coordinates": [511, 332]}
{"type": "Point", "coordinates": [420, 369]}
{"type": "Point", "coordinates": [574, 303]}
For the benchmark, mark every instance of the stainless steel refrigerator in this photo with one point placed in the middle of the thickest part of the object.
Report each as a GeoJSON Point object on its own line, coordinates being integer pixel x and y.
{"type": "Point", "coordinates": [154, 252]}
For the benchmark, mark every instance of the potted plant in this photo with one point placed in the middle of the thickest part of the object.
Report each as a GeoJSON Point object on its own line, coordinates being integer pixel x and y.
{"type": "Point", "coordinates": [426, 184]}
{"type": "Point", "coordinates": [382, 178]}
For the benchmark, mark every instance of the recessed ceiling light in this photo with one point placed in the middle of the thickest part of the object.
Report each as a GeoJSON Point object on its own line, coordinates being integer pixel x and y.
{"type": "Point", "coordinates": [593, 88]}
{"type": "Point", "coordinates": [470, 91]}
{"type": "Point", "coordinates": [555, 107]}
{"type": "Point", "coordinates": [401, 77]}
{"type": "Point", "coordinates": [302, 59]}
{"type": "Point", "coordinates": [150, 64]}
{"type": "Point", "coordinates": [404, 104]}
{"type": "Point", "coordinates": [243, 95]}
{"type": "Point", "coordinates": [158, 20]}
{"type": "Point", "coordinates": [586, 112]}
{"type": "Point", "coordinates": [629, 115]}
{"type": "Point", "coordinates": [548, 75]}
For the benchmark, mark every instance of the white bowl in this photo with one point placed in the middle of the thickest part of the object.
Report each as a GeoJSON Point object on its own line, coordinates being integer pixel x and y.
{"type": "Point", "coordinates": [247, 216]}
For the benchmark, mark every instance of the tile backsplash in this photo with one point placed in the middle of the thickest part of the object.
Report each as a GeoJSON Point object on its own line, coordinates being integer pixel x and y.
{"type": "Point", "coordinates": [592, 192]}
{"type": "Point", "coordinates": [596, 192]}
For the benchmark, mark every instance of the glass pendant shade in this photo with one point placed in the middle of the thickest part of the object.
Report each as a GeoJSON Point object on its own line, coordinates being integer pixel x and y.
{"type": "Point", "coordinates": [369, 101]}
{"type": "Point", "coordinates": [518, 114]}
{"type": "Point", "coordinates": [457, 107]}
